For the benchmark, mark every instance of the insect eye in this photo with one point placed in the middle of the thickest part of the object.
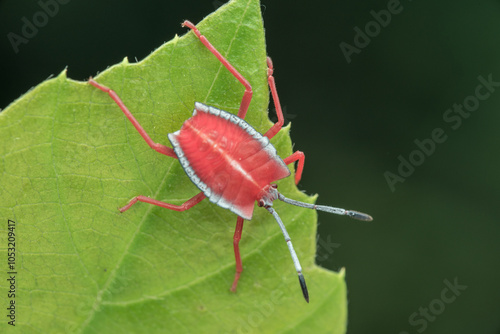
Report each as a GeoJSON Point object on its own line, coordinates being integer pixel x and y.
{"type": "Point", "coordinates": [274, 185]}
{"type": "Point", "coordinates": [260, 203]}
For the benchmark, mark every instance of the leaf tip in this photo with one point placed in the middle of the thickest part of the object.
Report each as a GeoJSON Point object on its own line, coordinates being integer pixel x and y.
{"type": "Point", "coordinates": [63, 74]}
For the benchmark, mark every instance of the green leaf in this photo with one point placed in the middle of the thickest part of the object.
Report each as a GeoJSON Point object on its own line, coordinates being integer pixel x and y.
{"type": "Point", "coordinates": [69, 158]}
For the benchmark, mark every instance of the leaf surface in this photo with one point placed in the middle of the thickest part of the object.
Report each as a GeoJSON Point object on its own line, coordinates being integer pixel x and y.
{"type": "Point", "coordinates": [69, 158]}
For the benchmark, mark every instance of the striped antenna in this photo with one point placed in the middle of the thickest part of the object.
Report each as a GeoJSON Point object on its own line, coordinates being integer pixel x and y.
{"type": "Point", "coordinates": [350, 213]}
{"type": "Point", "coordinates": [295, 259]}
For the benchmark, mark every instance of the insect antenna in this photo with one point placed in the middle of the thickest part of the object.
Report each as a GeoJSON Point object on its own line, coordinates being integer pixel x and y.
{"type": "Point", "coordinates": [330, 209]}
{"type": "Point", "coordinates": [295, 259]}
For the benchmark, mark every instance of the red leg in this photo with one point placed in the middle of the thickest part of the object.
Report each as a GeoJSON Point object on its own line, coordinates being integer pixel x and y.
{"type": "Point", "coordinates": [272, 86]}
{"type": "Point", "coordinates": [183, 207]}
{"type": "Point", "coordinates": [157, 147]}
{"type": "Point", "coordinates": [236, 242]}
{"type": "Point", "coordinates": [247, 96]}
{"type": "Point", "coordinates": [300, 157]}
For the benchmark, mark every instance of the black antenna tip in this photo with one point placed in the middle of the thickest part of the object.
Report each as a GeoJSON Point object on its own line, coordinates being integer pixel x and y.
{"type": "Point", "coordinates": [359, 215]}
{"type": "Point", "coordinates": [303, 286]}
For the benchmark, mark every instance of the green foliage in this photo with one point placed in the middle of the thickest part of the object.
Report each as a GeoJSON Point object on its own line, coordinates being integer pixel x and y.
{"type": "Point", "coordinates": [69, 158]}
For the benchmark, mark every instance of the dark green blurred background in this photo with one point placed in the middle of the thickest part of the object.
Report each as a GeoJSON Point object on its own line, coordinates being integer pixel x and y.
{"type": "Point", "coordinates": [353, 120]}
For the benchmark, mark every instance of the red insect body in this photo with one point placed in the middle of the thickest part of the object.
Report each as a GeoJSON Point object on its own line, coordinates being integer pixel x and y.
{"type": "Point", "coordinates": [230, 162]}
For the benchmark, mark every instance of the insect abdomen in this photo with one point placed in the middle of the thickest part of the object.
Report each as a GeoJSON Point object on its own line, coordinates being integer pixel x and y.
{"type": "Point", "coordinates": [226, 158]}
